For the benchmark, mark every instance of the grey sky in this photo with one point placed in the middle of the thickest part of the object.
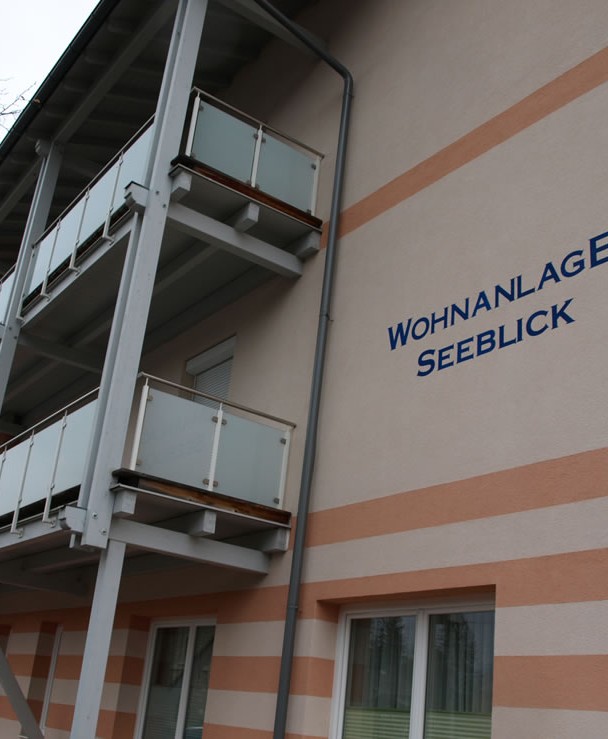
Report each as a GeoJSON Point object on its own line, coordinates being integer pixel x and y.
{"type": "Point", "coordinates": [34, 35]}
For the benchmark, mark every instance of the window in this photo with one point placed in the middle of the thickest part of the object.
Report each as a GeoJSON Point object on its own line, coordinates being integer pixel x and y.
{"type": "Point", "coordinates": [212, 369]}
{"type": "Point", "coordinates": [424, 674]}
{"type": "Point", "coordinates": [176, 682]}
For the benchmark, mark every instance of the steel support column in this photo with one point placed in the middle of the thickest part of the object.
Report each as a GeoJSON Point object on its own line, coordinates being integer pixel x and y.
{"type": "Point", "coordinates": [137, 281]}
{"type": "Point", "coordinates": [19, 704]}
{"type": "Point", "coordinates": [36, 223]}
{"type": "Point", "coordinates": [90, 685]}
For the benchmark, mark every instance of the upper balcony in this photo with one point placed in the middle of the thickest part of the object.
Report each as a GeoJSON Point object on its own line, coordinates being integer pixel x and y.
{"type": "Point", "coordinates": [192, 463]}
{"type": "Point", "coordinates": [230, 159]}
{"type": "Point", "coordinates": [242, 208]}
{"type": "Point", "coordinates": [242, 211]}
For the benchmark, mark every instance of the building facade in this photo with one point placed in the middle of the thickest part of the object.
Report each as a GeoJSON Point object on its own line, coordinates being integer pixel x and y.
{"type": "Point", "coordinates": [174, 497]}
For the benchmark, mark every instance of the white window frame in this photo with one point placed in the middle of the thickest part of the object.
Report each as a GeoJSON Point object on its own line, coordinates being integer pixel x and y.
{"type": "Point", "coordinates": [422, 611]}
{"type": "Point", "coordinates": [211, 357]}
{"type": "Point", "coordinates": [192, 624]}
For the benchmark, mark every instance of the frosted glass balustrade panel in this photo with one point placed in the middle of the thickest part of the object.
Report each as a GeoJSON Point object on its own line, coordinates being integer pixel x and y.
{"type": "Point", "coordinates": [90, 212]}
{"type": "Point", "coordinates": [40, 466]}
{"type": "Point", "coordinates": [98, 203]}
{"type": "Point", "coordinates": [250, 460]}
{"type": "Point", "coordinates": [177, 439]}
{"type": "Point", "coordinates": [133, 168]}
{"type": "Point", "coordinates": [5, 293]}
{"type": "Point", "coordinates": [12, 476]}
{"type": "Point", "coordinates": [224, 142]}
{"type": "Point", "coordinates": [286, 172]}
{"type": "Point", "coordinates": [74, 447]}
{"type": "Point", "coordinates": [40, 261]}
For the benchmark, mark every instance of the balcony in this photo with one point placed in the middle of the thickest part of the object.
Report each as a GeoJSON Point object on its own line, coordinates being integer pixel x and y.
{"type": "Point", "coordinates": [187, 450]}
{"type": "Point", "coordinates": [234, 160]}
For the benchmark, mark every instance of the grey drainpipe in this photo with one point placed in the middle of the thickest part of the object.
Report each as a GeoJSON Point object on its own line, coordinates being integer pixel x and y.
{"type": "Point", "coordinates": [310, 445]}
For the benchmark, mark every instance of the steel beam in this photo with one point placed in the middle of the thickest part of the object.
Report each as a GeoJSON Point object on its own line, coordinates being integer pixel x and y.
{"type": "Point", "coordinates": [36, 222]}
{"type": "Point", "coordinates": [184, 546]}
{"type": "Point", "coordinates": [73, 356]}
{"type": "Point", "coordinates": [137, 281]}
{"type": "Point", "coordinates": [256, 15]}
{"type": "Point", "coordinates": [232, 241]}
{"type": "Point", "coordinates": [97, 646]}
{"type": "Point", "coordinates": [14, 574]}
{"type": "Point", "coordinates": [20, 706]}
{"type": "Point", "coordinates": [18, 190]}
{"type": "Point", "coordinates": [115, 70]}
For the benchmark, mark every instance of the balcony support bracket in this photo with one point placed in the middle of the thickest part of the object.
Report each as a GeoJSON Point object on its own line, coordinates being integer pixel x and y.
{"type": "Point", "coordinates": [72, 518]}
{"type": "Point", "coordinates": [226, 237]}
{"type": "Point", "coordinates": [245, 218]}
{"type": "Point", "coordinates": [176, 544]}
{"type": "Point", "coordinates": [180, 187]}
{"type": "Point", "coordinates": [124, 503]}
{"type": "Point", "coordinates": [136, 197]}
{"type": "Point", "coordinates": [306, 246]}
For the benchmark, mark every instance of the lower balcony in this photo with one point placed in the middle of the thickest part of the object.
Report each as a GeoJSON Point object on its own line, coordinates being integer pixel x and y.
{"type": "Point", "coordinates": [188, 453]}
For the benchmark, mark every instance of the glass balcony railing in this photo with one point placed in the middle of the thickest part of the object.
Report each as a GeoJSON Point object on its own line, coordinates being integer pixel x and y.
{"type": "Point", "coordinates": [247, 150]}
{"type": "Point", "coordinates": [193, 439]}
{"type": "Point", "coordinates": [219, 137]}
{"type": "Point", "coordinates": [46, 460]}
{"type": "Point", "coordinates": [5, 292]}
{"type": "Point", "coordinates": [181, 435]}
{"type": "Point", "coordinates": [89, 213]}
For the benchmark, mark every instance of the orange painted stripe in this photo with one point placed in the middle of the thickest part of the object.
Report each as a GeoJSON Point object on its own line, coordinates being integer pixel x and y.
{"type": "Point", "coordinates": [60, 716]}
{"type": "Point", "coordinates": [68, 666]}
{"type": "Point", "coordinates": [217, 731]}
{"type": "Point", "coordinates": [564, 89]}
{"type": "Point", "coordinates": [22, 664]}
{"type": "Point", "coordinates": [553, 482]}
{"type": "Point", "coordinates": [120, 669]}
{"type": "Point", "coordinates": [125, 670]}
{"type": "Point", "coordinates": [250, 674]}
{"type": "Point", "coordinates": [566, 682]}
{"type": "Point", "coordinates": [565, 578]}
{"type": "Point", "coordinates": [311, 676]}
{"type": "Point", "coordinates": [6, 710]}
{"type": "Point", "coordinates": [115, 724]}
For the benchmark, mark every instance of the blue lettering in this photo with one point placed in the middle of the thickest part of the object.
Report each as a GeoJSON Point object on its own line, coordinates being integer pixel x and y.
{"type": "Point", "coordinates": [578, 265]}
{"type": "Point", "coordinates": [482, 302]}
{"type": "Point", "coordinates": [464, 314]}
{"type": "Point", "coordinates": [463, 350]}
{"type": "Point", "coordinates": [443, 319]}
{"type": "Point", "coordinates": [499, 291]}
{"type": "Point", "coordinates": [561, 313]}
{"type": "Point", "coordinates": [597, 248]}
{"type": "Point", "coordinates": [426, 360]}
{"type": "Point", "coordinates": [424, 321]}
{"type": "Point", "coordinates": [521, 293]}
{"type": "Point", "coordinates": [444, 359]}
{"type": "Point", "coordinates": [486, 342]}
{"type": "Point", "coordinates": [549, 273]}
{"type": "Point", "coordinates": [536, 331]}
{"type": "Point", "coordinates": [399, 334]}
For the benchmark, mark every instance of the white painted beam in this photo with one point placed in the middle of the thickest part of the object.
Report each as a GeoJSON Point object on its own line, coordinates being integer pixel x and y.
{"type": "Point", "coordinates": [73, 356]}
{"type": "Point", "coordinates": [175, 544]}
{"type": "Point", "coordinates": [116, 69]}
{"type": "Point", "coordinates": [245, 218]}
{"type": "Point", "coordinates": [17, 700]}
{"type": "Point", "coordinates": [259, 17]}
{"type": "Point", "coordinates": [229, 239]}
